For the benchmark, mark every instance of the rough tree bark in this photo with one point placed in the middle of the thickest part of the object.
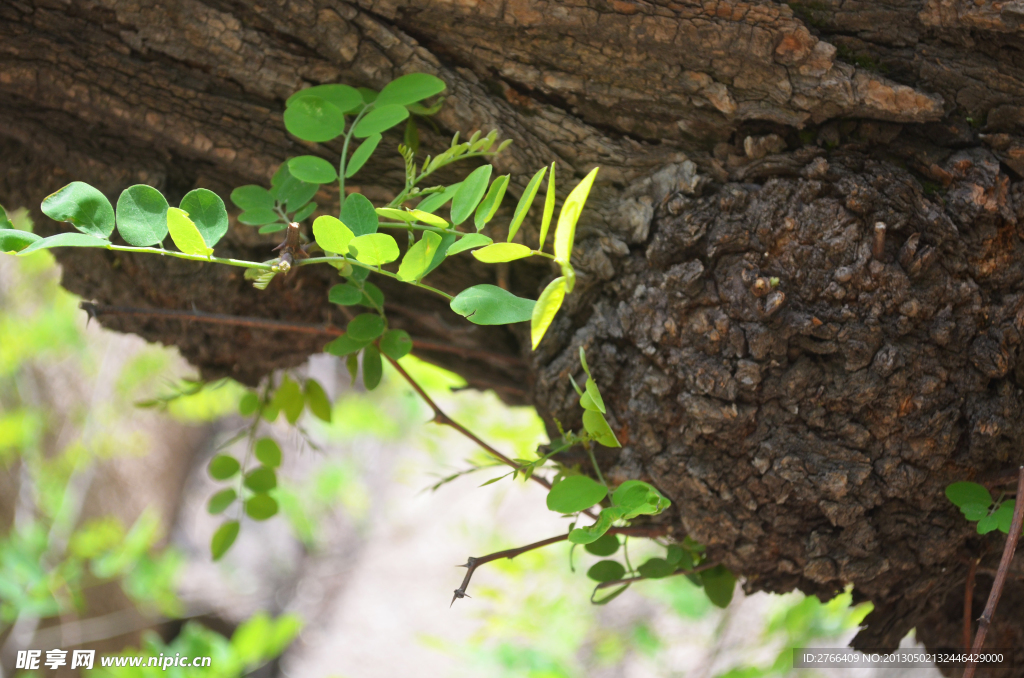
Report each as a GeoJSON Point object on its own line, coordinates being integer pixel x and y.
{"type": "Point", "coordinates": [805, 432]}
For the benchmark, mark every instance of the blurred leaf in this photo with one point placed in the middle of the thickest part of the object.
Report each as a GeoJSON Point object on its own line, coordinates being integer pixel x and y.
{"type": "Point", "coordinates": [605, 546]}
{"type": "Point", "coordinates": [345, 294]}
{"type": "Point", "coordinates": [259, 216]}
{"type": "Point", "coordinates": [597, 426]}
{"type": "Point", "coordinates": [12, 240]}
{"type": "Point", "coordinates": [60, 240]}
{"type": "Point", "coordinates": [344, 345]}
{"type": "Point", "coordinates": [268, 452]}
{"type": "Point", "coordinates": [288, 398]}
{"type": "Point", "coordinates": [975, 511]}
{"type": "Point", "coordinates": [223, 538]}
{"type": "Point", "coordinates": [656, 568]}
{"type": "Point", "coordinates": [396, 344]}
{"type": "Point", "coordinates": [252, 197]}
{"type": "Point", "coordinates": [305, 212]}
{"type": "Point", "coordinates": [372, 367]}
{"type": "Point", "coordinates": [317, 401]}
{"type": "Point", "coordinates": [365, 327]}
{"type": "Point", "coordinates": [261, 479]}
{"type": "Point", "coordinates": [221, 501]}
{"type": "Point", "coordinates": [719, 584]}
{"type": "Point", "coordinates": [609, 598]}
{"type": "Point", "coordinates": [606, 570]}
{"type": "Point", "coordinates": [223, 467]}
{"type": "Point", "coordinates": [261, 507]}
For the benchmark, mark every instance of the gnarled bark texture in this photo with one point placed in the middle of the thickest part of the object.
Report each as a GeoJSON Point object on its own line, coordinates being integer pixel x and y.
{"type": "Point", "coordinates": [804, 427]}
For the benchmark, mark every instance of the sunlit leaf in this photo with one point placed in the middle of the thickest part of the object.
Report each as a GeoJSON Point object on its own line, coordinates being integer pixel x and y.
{"type": "Point", "coordinates": [418, 257]}
{"type": "Point", "coordinates": [221, 501]}
{"type": "Point", "coordinates": [142, 216]}
{"type": "Point", "coordinates": [428, 218]}
{"type": "Point", "coordinates": [185, 235]}
{"type": "Point", "coordinates": [565, 232]}
{"type": "Point", "coordinates": [502, 252]}
{"type": "Point", "coordinates": [289, 398]}
{"type": "Point", "coordinates": [544, 312]}
{"type": "Point", "coordinates": [332, 235]}
{"type": "Point", "coordinates": [83, 206]}
{"type": "Point", "coordinates": [525, 201]}
{"type": "Point", "coordinates": [374, 249]}
{"type": "Point", "coordinates": [491, 305]}
{"type": "Point", "coordinates": [549, 208]}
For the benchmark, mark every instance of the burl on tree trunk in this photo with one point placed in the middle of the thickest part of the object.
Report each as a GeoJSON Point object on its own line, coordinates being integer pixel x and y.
{"type": "Point", "coordinates": [802, 265]}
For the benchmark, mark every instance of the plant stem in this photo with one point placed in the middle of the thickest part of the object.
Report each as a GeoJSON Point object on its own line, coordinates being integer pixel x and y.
{"type": "Point", "coordinates": [375, 269]}
{"type": "Point", "coordinates": [593, 460]}
{"type": "Point", "coordinates": [473, 563]}
{"type": "Point", "coordinates": [191, 257]}
{"type": "Point", "coordinates": [344, 156]}
{"type": "Point", "coordinates": [969, 603]}
{"type": "Point", "coordinates": [997, 585]}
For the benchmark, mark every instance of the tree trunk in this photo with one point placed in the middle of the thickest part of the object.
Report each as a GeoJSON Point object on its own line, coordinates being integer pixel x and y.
{"type": "Point", "coordinates": [805, 428]}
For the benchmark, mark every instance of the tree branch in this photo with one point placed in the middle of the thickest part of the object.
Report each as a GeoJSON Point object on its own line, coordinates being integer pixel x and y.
{"type": "Point", "coordinates": [473, 563]}
{"type": "Point", "coordinates": [1004, 567]}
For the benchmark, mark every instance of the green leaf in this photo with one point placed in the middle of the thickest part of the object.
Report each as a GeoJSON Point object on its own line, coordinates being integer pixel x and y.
{"type": "Point", "coordinates": [372, 296]}
{"type": "Point", "coordinates": [317, 401]}
{"type": "Point", "coordinates": [595, 396]}
{"type": "Point", "coordinates": [987, 524]}
{"type": "Point", "coordinates": [565, 232]}
{"type": "Point", "coordinates": [609, 598]}
{"type": "Point", "coordinates": [223, 538]}
{"type": "Point", "coordinates": [428, 218]}
{"type": "Point", "coordinates": [362, 154]}
{"type": "Point", "coordinates": [396, 344]}
{"type": "Point", "coordinates": [252, 197]}
{"type": "Point", "coordinates": [719, 584]}
{"type": "Point", "coordinates": [549, 209]}
{"type": "Point", "coordinates": [525, 202]}
{"type": "Point", "coordinates": [398, 215]}
{"type": "Point", "coordinates": [352, 365]}
{"type": "Point", "coordinates": [313, 118]}
{"type": "Point", "coordinates": [289, 398]}
{"type": "Point", "coordinates": [974, 512]}
{"type": "Point", "coordinates": [312, 169]}
{"type": "Point", "coordinates": [368, 95]}
{"type": "Point", "coordinates": [221, 501]}
{"type": "Point", "coordinates": [223, 467]}
{"type": "Point", "coordinates": [575, 493]}
{"type": "Point", "coordinates": [261, 507]}
{"type": "Point", "coordinates": [345, 294]}
{"type": "Point", "coordinates": [583, 363]}
{"type": "Point", "coordinates": [1004, 515]}
{"type": "Point", "coordinates": [272, 228]}
{"type": "Point", "coordinates": [679, 557]}
{"type": "Point", "coordinates": [63, 240]}
{"type": "Point", "coordinates": [332, 235]}
{"type": "Point", "coordinates": [411, 138]}
{"type": "Point", "coordinates": [470, 193]}
{"type": "Point", "coordinates": [491, 305]}
{"type": "Point", "coordinates": [408, 89]}
{"type": "Point", "coordinates": [656, 568]}
{"type": "Point", "coordinates": [365, 327]}
{"type": "Point", "coordinates": [262, 479]}
{"type": "Point", "coordinates": [5, 223]}
{"type": "Point", "coordinates": [304, 212]}
{"type": "Point", "coordinates": [591, 533]}
{"type": "Point", "coordinates": [345, 98]}
{"type": "Point", "coordinates": [344, 345]}
{"type": "Point", "coordinates": [184, 233]}
{"type": "Point", "coordinates": [372, 368]}
{"type": "Point", "coordinates": [968, 493]}
{"type": "Point", "coordinates": [636, 497]}
{"type": "Point", "coordinates": [374, 249]}
{"type": "Point", "coordinates": [249, 403]}
{"type": "Point", "coordinates": [12, 241]}
{"type": "Point", "coordinates": [544, 312]}
{"type": "Point", "coordinates": [491, 202]}
{"type": "Point", "coordinates": [468, 242]}
{"type": "Point", "coordinates": [606, 570]}
{"type": "Point", "coordinates": [207, 211]}
{"type": "Point", "coordinates": [605, 546]}
{"type": "Point", "coordinates": [434, 201]}
{"type": "Point", "coordinates": [142, 216]}
{"type": "Point", "coordinates": [268, 452]}
{"type": "Point", "coordinates": [418, 257]}
{"type": "Point", "coordinates": [359, 215]}
{"type": "Point", "coordinates": [288, 189]}
{"type": "Point", "coordinates": [259, 217]}
{"type": "Point", "coordinates": [381, 118]}
{"type": "Point", "coordinates": [501, 252]}
{"type": "Point", "coordinates": [85, 207]}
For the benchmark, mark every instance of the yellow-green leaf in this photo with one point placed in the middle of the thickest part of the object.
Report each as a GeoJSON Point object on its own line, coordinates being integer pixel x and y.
{"type": "Point", "coordinates": [565, 232]}
{"type": "Point", "coordinates": [502, 251]}
{"type": "Point", "coordinates": [418, 258]}
{"type": "Point", "coordinates": [331, 234]}
{"type": "Point", "coordinates": [549, 208]}
{"type": "Point", "coordinates": [525, 202]}
{"type": "Point", "coordinates": [374, 249]}
{"type": "Point", "coordinates": [184, 233]}
{"type": "Point", "coordinates": [545, 309]}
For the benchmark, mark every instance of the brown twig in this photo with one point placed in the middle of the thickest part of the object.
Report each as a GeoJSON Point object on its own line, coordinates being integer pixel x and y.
{"type": "Point", "coordinates": [473, 563]}
{"type": "Point", "coordinates": [997, 586]}
{"type": "Point", "coordinates": [969, 602]}
{"type": "Point", "coordinates": [96, 310]}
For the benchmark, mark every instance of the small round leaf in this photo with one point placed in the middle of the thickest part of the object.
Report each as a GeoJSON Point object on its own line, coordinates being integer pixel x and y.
{"type": "Point", "coordinates": [221, 501]}
{"type": "Point", "coordinates": [85, 207]}
{"type": "Point", "coordinates": [374, 249]}
{"type": "Point", "coordinates": [396, 344]}
{"type": "Point", "coordinates": [223, 467]}
{"type": "Point", "coordinates": [313, 118]}
{"type": "Point", "coordinates": [345, 294]}
{"type": "Point", "coordinates": [142, 216]}
{"type": "Point", "coordinates": [312, 169]}
{"type": "Point", "coordinates": [575, 493]}
{"type": "Point", "coordinates": [261, 507]}
{"type": "Point", "coordinates": [606, 570]}
{"type": "Point", "coordinates": [365, 327]}
{"type": "Point", "coordinates": [252, 197]}
{"type": "Point", "coordinates": [268, 452]}
{"type": "Point", "coordinates": [261, 480]}
{"type": "Point", "coordinates": [207, 212]}
{"type": "Point", "coordinates": [605, 546]}
{"type": "Point", "coordinates": [656, 568]}
{"type": "Point", "coordinates": [373, 369]}
{"type": "Point", "coordinates": [968, 493]}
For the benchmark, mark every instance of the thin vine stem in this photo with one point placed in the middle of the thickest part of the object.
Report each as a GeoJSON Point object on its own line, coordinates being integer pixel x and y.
{"type": "Point", "coordinates": [375, 269]}
{"type": "Point", "coordinates": [344, 156]}
{"type": "Point", "coordinates": [192, 257]}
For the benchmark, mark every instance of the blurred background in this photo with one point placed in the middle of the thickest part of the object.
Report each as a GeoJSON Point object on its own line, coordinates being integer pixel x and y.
{"type": "Point", "coordinates": [105, 531]}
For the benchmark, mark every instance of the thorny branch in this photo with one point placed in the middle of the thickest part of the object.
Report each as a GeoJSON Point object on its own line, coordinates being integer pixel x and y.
{"type": "Point", "coordinates": [1004, 567]}
{"type": "Point", "coordinates": [473, 563]}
